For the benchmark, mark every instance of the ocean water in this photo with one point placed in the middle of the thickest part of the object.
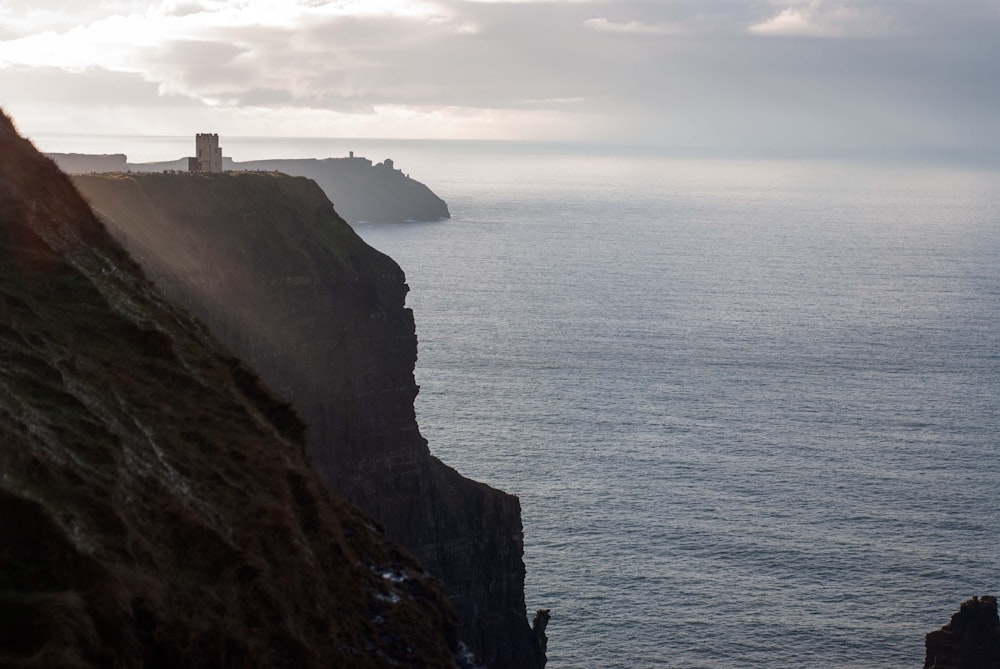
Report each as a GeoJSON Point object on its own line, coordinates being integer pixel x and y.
{"type": "Point", "coordinates": [750, 407]}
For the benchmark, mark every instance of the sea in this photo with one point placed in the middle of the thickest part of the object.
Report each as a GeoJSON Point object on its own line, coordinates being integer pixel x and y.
{"type": "Point", "coordinates": [750, 406]}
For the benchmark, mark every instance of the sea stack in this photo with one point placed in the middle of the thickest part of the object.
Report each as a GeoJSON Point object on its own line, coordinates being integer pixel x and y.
{"type": "Point", "coordinates": [970, 641]}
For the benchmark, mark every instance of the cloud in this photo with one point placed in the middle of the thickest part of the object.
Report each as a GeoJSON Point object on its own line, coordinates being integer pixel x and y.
{"type": "Point", "coordinates": [199, 50]}
{"type": "Point", "coordinates": [815, 19]}
{"type": "Point", "coordinates": [527, 2]}
{"type": "Point", "coordinates": [187, 9]}
{"type": "Point", "coordinates": [101, 87]}
{"type": "Point", "coordinates": [598, 67]}
{"type": "Point", "coordinates": [631, 27]}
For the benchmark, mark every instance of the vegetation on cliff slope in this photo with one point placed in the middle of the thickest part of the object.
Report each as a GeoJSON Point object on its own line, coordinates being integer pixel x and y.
{"type": "Point", "coordinates": [265, 261]}
{"type": "Point", "coordinates": [157, 506]}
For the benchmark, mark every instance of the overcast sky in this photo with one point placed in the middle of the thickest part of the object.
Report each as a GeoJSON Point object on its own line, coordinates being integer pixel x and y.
{"type": "Point", "coordinates": [691, 73]}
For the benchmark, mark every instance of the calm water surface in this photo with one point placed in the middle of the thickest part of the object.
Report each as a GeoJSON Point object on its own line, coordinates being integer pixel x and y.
{"type": "Point", "coordinates": [750, 408]}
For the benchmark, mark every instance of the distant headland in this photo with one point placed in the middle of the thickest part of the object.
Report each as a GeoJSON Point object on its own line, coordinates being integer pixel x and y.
{"type": "Point", "coordinates": [361, 191]}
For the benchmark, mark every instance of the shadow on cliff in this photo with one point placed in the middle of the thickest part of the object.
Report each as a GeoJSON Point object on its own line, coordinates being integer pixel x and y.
{"type": "Point", "coordinates": [158, 506]}
{"type": "Point", "coordinates": [268, 264]}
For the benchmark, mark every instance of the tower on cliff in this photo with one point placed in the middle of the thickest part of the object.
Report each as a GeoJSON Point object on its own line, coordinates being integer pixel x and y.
{"type": "Point", "coordinates": [208, 154]}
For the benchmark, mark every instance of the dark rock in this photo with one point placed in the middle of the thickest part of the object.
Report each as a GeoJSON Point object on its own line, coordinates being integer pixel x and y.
{"type": "Point", "coordinates": [538, 625]}
{"type": "Point", "coordinates": [970, 641]}
{"type": "Point", "coordinates": [158, 509]}
{"type": "Point", "coordinates": [264, 259]}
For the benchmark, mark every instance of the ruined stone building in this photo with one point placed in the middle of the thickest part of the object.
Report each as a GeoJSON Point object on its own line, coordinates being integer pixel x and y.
{"type": "Point", "coordinates": [208, 154]}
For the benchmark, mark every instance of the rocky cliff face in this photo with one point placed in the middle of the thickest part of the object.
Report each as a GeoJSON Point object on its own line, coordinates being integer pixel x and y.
{"type": "Point", "coordinates": [970, 641]}
{"type": "Point", "coordinates": [268, 264]}
{"type": "Point", "coordinates": [158, 506]}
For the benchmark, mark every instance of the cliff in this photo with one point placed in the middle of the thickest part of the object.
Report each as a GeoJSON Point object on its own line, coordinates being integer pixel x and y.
{"type": "Point", "coordinates": [264, 259]}
{"type": "Point", "coordinates": [158, 506]}
{"type": "Point", "coordinates": [361, 191]}
{"type": "Point", "coordinates": [970, 641]}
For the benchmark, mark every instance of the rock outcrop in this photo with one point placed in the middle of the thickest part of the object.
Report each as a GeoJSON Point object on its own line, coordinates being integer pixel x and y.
{"type": "Point", "coordinates": [970, 641]}
{"type": "Point", "coordinates": [265, 260]}
{"type": "Point", "coordinates": [158, 506]}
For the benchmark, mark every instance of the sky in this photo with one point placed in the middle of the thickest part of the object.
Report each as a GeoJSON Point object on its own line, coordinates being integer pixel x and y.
{"type": "Point", "coordinates": [712, 74]}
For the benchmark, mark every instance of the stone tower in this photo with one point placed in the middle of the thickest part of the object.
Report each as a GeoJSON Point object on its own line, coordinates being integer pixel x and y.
{"type": "Point", "coordinates": [207, 152]}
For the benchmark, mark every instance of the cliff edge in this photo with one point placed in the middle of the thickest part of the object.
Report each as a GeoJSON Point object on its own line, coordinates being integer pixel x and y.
{"type": "Point", "coordinates": [265, 260]}
{"type": "Point", "coordinates": [158, 507]}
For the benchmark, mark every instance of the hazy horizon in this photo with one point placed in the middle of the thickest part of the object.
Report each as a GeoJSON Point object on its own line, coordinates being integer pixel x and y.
{"type": "Point", "coordinates": [164, 148]}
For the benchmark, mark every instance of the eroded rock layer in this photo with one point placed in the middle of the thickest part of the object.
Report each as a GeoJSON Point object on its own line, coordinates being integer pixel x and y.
{"type": "Point", "coordinates": [158, 508]}
{"type": "Point", "coordinates": [265, 260]}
